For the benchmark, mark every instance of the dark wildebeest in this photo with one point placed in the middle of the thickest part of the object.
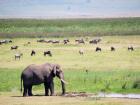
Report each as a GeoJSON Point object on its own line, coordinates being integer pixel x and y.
{"type": "Point", "coordinates": [112, 48]}
{"type": "Point", "coordinates": [81, 51]}
{"type": "Point", "coordinates": [80, 41]}
{"type": "Point", "coordinates": [95, 41]}
{"type": "Point", "coordinates": [55, 41]}
{"type": "Point", "coordinates": [98, 49]}
{"type": "Point", "coordinates": [66, 41]}
{"type": "Point", "coordinates": [18, 56]}
{"type": "Point", "coordinates": [47, 53]}
{"type": "Point", "coordinates": [14, 47]}
{"type": "Point", "coordinates": [49, 41]}
{"type": "Point", "coordinates": [5, 41]}
{"type": "Point", "coordinates": [8, 41]}
{"type": "Point", "coordinates": [87, 71]}
{"type": "Point", "coordinates": [130, 48]}
{"type": "Point", "coordinates": [33, 53]}
{"type": "Point", "coordinates": [41, 40]}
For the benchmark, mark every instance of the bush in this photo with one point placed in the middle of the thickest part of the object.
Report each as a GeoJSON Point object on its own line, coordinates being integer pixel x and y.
{"type": "Point", "coordinates": [136, 84]}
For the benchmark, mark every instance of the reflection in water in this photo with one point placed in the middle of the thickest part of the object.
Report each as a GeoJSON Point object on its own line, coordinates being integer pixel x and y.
{"type": "Point", "coordinates": [117, 95]}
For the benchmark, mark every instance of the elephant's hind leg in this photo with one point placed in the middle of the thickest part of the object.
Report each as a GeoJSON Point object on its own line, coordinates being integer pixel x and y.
{"type": "Point", "coordinates": [30, 91]}
{"type": "Point", "coordinates": [25, 91]}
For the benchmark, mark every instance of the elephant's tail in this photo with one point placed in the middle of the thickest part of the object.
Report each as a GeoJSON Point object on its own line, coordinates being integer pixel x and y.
{"type": "Point", "coordinates": [21, 84]}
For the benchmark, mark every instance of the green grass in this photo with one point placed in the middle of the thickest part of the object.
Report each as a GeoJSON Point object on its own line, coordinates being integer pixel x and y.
{"type": "Point", "coordinates": [68, 27]}
{"type": "Point", "coordinates": [79, 81]}
{"type": "Point", "coordinates": [95, 81]}
{"type": "Point", "coordinates": [108, 71]}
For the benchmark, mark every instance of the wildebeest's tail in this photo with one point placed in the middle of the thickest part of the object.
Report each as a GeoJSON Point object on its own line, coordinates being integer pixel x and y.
{"type": "Point", "coordinates": [21, 84]}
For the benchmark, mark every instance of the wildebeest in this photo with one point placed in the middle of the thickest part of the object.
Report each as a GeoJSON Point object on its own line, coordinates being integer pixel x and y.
{"type": "Point", "coordinates": [55, 41]}
{"type": "Point", "coordinates": [98, 49]}
{"type": "Point", "coordinates": [49, 41]}
{"type": "Point", "coordinates": [47, 53]}
{"type": "Point", "coordinates": [26, 44]}
{"type": "Point", "coordinates": [87, 71]}
{"type": "Point", "coordinates": [14, 47]}
{"type": "Point", "coordinates": [41, 40]}
{"type": "Point", "coordinates": [95, 41]}
{"type": "Point", "coordinates": [130, 48]}
{"type": "Point", "coordinates": [80, 41]}
{"type": "Point", "coordinates": [81, 51]}
{"type": "Point", "coordinates": [65, 41]}
{"type": "Point", "coordinates": [5, 41]}
{"type": "Point", "coordinates": [112, 48]}
{"type": "Point", "coordinates": [18, 56]}
{"type": "Point", "coordinates": [33, 53]}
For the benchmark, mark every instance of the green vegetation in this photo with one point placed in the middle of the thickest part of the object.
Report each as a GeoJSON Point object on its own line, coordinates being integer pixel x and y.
{"type": "Point", "coordinates": [79, 81]}
{"type": "Point", "coordinates": [68, 27]}
{"type": "Point", "coordinates": [107, 71]}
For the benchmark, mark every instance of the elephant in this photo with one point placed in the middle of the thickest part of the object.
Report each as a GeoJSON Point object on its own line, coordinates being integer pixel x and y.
{"type": "Point", "coordinates": [44, 73]}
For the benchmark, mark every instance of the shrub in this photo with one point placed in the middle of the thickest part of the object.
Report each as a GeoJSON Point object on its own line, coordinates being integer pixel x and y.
{"type": "Point", "coordinates": [136, 84]}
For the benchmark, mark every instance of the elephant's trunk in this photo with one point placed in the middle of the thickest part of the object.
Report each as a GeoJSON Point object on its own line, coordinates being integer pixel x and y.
{"type": "Point", "coordinates": [62, 83]}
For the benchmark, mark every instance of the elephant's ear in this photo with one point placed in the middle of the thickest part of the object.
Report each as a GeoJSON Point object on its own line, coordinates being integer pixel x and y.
{"type": "Point", "coordinates": [55, 68]}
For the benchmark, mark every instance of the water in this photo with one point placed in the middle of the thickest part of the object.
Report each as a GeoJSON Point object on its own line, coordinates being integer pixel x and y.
{"type": "Point", "coordinates": [117, 95]}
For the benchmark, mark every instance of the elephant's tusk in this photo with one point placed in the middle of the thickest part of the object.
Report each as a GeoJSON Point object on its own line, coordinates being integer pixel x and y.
{"type": "Point", "coordinates": [64, 81]}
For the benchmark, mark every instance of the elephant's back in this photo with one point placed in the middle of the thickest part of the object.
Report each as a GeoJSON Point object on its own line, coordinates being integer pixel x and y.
{"type": "Point", "coordinates": [32, 74]}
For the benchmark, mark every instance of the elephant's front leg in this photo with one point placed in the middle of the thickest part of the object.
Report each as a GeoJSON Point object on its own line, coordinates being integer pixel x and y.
{"type": "Point", "coordinates": [46, 89]}
{"type": "Point", "coordinates": [52, 88]}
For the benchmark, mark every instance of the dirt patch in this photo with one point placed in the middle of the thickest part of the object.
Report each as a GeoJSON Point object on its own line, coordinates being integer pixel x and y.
{"type": "Point", "coordinates": [78, 94]}
{"type": "Point", "coordinates": [102, 95]}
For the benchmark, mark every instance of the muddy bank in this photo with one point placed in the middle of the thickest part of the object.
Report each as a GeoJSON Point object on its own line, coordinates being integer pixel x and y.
{"type": "Point", "coordinates": [102, 95]}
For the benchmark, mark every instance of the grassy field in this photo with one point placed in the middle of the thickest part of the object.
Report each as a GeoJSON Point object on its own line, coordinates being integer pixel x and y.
{"type": "Point", "coordinates": [107, 71]}
{"type": "Point", "coordinates": [68, 27]}
{"type": "Point", "coordinates": [110, 72]}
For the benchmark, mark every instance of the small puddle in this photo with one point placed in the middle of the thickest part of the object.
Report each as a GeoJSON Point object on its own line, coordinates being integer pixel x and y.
{"type": "Point", "coordinates": [102, 95]}
{"type": "Point", "coordinates": [117, 95]}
